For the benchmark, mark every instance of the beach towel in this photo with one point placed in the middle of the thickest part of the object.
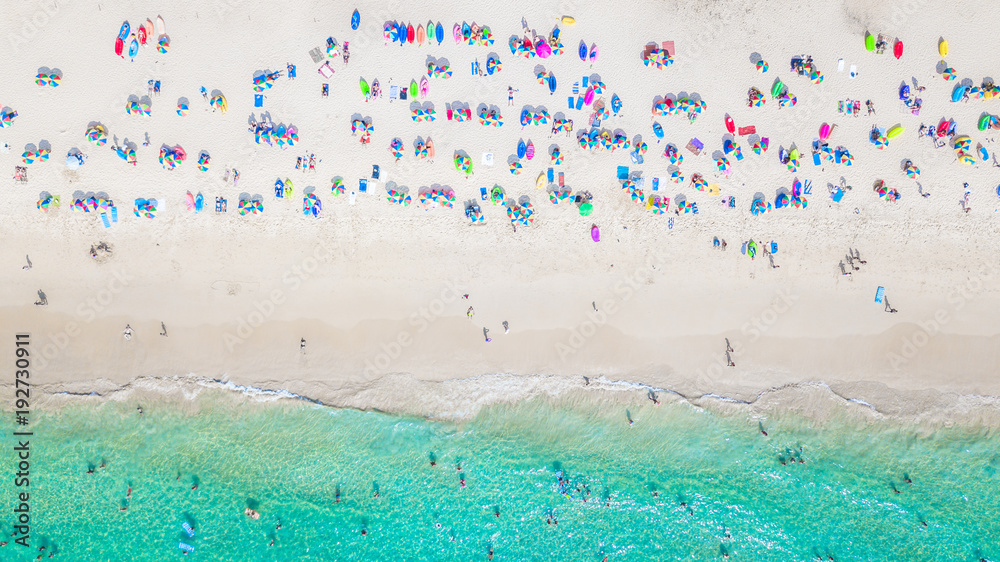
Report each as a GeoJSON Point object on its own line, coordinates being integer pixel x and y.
{"type": "Point", "coordinates": [291, 71]}
{"type": "Point", "coordinates": [570, 103]}
{"type": "Point", "coordinates": [668, 46]}
{"type": "Point", "coordinates": [837, 195]}
{"type": "Point", "coordinates": [656, 184]}
{"type": "Point", "coordinates": [482, 193]}
{"type": "Point", "coordinates": [623, 172]}
{"type": "Point", "coordinates": [562, 180]}
{"type": "Point", "coordinates": [879, 294]}
{"type": "Point", "coordinates": [258, 100]}
{"type": "Point", "coordinates": [748, 130]}
{"type": "Point", "coordinates": [104, 219]}
{"type": "Point", "coordinates": [114, 214]}
{"type": "Point", "coordinates": [487, 159]}
{"type": "Point", "coordinates": [363, 185]}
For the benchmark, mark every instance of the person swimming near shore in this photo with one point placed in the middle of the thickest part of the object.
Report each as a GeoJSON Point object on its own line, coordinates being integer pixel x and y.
{"type": "Point", "coordinates": [251, 514]}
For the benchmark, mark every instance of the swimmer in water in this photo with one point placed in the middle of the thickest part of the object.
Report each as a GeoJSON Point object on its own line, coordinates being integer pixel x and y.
{"type": "Point", "coordinates": [489, 555]}
{"type": "Point", "coordinates": [462, 482]}
{"type": "Point", "coordinates": [364, 532]}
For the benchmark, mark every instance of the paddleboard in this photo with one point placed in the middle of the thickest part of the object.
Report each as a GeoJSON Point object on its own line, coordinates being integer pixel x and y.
{"type": "Point", "coordinates": [439, 33]}
{"type": "Point", "coordinates": [119, 46]}
{"type": "Point", "coordinates": [365, 90]}
{"type": "Point", "coordinates": [133, 49]}
{"type": "Point", "coordinates": [421, 35]}
{"type": "Point", "coordinates": [124, 31]}
{"type": "Point", "coordinates": [161, 29]}
{"type": "Point", "coordinates": [522, 149]}
{"type": "Point", "coordinates": [943, 48]}
{"type": "Point", "coordinates": [413, 89]}
{"type": "Point", "coordinates": [423, 87]}
{"type": "Point", "coordinates": [552, 83]}
{"type": "Point", "coordinates": [897, 49]}
{"type": "Point", "coordinates": [593, 53]}
{"type": "Point", "coordinates": [411, 34]}
{"type": "Point", "coordinates": [199, 204]}
{"type": "Point", "coordinates": [430, 148]}
{"type": "Point", "coordinates": [583, 51]}
{"type": "Point", "coordinates": [457, 33]}
{"type": "Point", "coordinates": [355, 20]}
{"type": "Point", "coordinates": [529, 152]}
{"type": "Point", "coordinates": [658, 130]}
{"type": "Point", "coordinates": [870, 43]}
{"type": "Point", "coordinates": [142, 35]}
{"type": "Point", "coordinates": [730, 126]}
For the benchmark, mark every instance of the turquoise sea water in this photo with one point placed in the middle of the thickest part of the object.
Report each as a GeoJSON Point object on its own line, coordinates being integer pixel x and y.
{"type": "Point", "coordinates": [288, 461]}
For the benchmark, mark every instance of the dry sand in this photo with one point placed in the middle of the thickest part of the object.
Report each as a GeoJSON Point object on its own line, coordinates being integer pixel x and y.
{"type": "Point", "coordinates": [375, 289]}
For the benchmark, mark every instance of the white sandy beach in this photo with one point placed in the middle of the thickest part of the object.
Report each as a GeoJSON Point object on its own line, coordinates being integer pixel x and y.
{"type": "Point", "coordinates": [375, 288]}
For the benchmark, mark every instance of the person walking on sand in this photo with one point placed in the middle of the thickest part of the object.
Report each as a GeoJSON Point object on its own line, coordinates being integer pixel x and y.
{"type": "Point", "coordinates": [729, 360]}
{"type": "Point", "coordinates": [728, 347]}
{"type": "Point", "coordinates": [164, 328]}
{"type": "Point", "coordinates": [888, 308]}
{"type": "Point", "coordinates": [486, 334]}
{"type": "Point", "coordinates": [510, 95]}
{"type": "Point", "coordinates": [470, 312]}
{"type": "Point", "coordinates": [127, 332]}
{"type": "Point", "coordinates": [29, 262]}
{"type": "Point", "coordinates": [506, 328]}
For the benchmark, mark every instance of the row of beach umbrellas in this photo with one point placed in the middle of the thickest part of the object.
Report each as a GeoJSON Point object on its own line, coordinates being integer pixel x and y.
{"type": "Point", "coordinates": [437, 197]}
{"type": "Point", "coordinates": [145, 208]}
{"type": "Point", "coordinates": [171, 156]}
{"type": "Point", "coordinates": [276, 135]}
{"type": "Point", "coordinates": [50, 79]}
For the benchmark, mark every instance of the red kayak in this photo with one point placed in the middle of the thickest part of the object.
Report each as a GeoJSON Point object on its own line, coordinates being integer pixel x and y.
{"type": "Point", "coordinates": [119, 47]}
{"type": "Point", "coordinates": [897, 49]}
{"type": "Point", "coordinates": [730, 126]}
{"type": "Point", "coordinates": [142, 35]}
{"type": "Point", "coordinates": [410, 34]}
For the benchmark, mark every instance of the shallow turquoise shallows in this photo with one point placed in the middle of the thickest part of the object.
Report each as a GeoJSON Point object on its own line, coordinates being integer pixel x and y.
{"type": "Point", "coordinates": [681, 483]}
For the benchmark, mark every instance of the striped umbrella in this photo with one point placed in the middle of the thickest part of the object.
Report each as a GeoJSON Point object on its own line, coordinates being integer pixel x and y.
{"type": "Point", "coordinates": [881, 141]}
{"type": "Point", "coordinates": [163, 45]}
{"type": "Point", "coordinates": [761, 66]}
{"type": "Point", "coordinates": [43, 154]}
{"type": "Point", "coordinates": [55, 80]}
{"type": "Point", "coordinates": [816, 77]}
{"type": "Point", "coordinates": [515, 168]}
{"type": "Point", "coordinates": [42, 79]}
{"type": "Point", "coordinates": [338, 187]}
{"type": "Point", "coordinates": [28, 157]}
{"type": "Point", "coordinates": [911, 170]}
{"type": "Point", "coordinates": [676, 176]}
{"type": "Point", "coordinates": [557, 157]}
{"type": "Point", "coordinates": [723, 164]}
{"type": "Point", "coordinates": [949, 74]}
{"type": "Point", "coordinates": [673, 154]}
{"type": "Point", "coordinates": [183, 109]}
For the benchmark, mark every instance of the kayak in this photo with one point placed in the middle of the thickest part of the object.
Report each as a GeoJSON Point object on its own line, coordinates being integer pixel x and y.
{"type": "Point", "coordinates": [355, 20]}
{"type": "Point", "coordinates": [124, 31]}
{"type": "Point", "coordinates": [529, 152]}
{"type": "Point", "coordinates": [730, 126]}
{"type": "Point", "coordinates": [365, 89]}
{"type": "Point", "coordinates": [413, 89]}
{"type": "Point", "coordinates": [411, 34]}
{"type": "Point", "coordinates": [522, 149]}
{"type": "Point", "coordinates": [897, 49]}
{"type": "Point", "coordinates": [439, 33]}
{"type": "Point", "coordinates": [869, 42]}
{"type": "Point", "coordinates": [943, 48]}
{"type": "Point", "coordinates": [658, 130]}
{"type": "Point", "coordinates": [583, 51]}
{"type": "Point", "coordinates": [119, 46]}
{"type": "Point", "coordinates": [552, 83]}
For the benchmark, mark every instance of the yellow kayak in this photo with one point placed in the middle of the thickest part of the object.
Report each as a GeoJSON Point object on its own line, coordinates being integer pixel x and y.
{"type": "Point", "coordinates": [568, 20]}
{"type": "Point", "coordinates": [540, 182]}
{"type": "Point", "coordinates": [943, 48]}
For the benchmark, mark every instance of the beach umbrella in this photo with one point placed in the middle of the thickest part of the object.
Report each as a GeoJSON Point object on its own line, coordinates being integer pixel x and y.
{"type": "Point", "coordinates": [43, 154]}
{"type": "Point", "coordinates": [967, 159]}
{"type": "Point", "coordinates": [28, 157]}
{"type": "Point", "coordinates": [881, 141]}
{"type": "Point", "coordinates": [515, 168]}
{"type": "Point", "coordinates": [557, 157]}
{"type": "Point", "coordinates": [163, 44]}
{"type": "Point", "coordinates": [975, 93]}
{"type": "Point", "coordinates": [723, 164]}
{"type": "Point", "coordinates": [911, 170]}
{"type": "Point", "coordinates": [203, 161]}
{"type": "Point", "coordinates": [218, 101]}
{"type": "Point", "coordinates": [183, 109]}
{"type": "Point", "coordinates": [816, 77]}
{"type": "Point", "coordinates": [586, 209]}
{"type": "Point", "coordinates": [55, 80]}
{"type": "Point", "coordinates": [963, 143]}
{"type": "Point", "coordinates": [673, 154]}
{"type": "Point", "coordinates": [761, 66]}
{"type": "Point", "coordinates": [42, 79]}
{"type": "Point", "coordinates": [338, 187]}
{"type": "Point", "coordinates": [7, 116]}
{"type": "Point", "coordinates": [598, 87]}
{"type": "Point", "coordinates": [788, 100]}
{"type": "Point", "coordinates": [676, 176]}
{"type": "Point", "coordinates": [949, 74]}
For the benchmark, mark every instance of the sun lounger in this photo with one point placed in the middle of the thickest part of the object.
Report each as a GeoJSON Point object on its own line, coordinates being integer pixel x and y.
{"type": "Point", "coordinates": [623, 172]}
{"type": "Point", "coordinates": [562, 179]}
{"type": "Point", "coordinates": [114, 214]}
{"type": "Point", "coordinates": [551, 175]}
{"type": "Point", "coordinates": [482, 193]}
{"type": "Point", "coordinates": [363, 185]}
{"type": "Point", "coordinates": [104, 219]}
{"type": "Point", "coordinates": [579, 102]}
{"type": "Point", "coordinates": [258, 100]}
{"type": "Point", "coordinates": [571, 101]}
{"type": "Point", "coordinates": [879, 294]}
{"type": "Point", "coordinates": [375, 171]}
{"type": "Point", "coordinates": [326, 70]}
{"type": "Point", "coordinates": [586, 81]}
{"type": "Point", "coordinates": [316, 54]}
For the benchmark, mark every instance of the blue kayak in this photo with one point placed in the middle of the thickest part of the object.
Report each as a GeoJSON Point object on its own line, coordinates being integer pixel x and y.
{"type": "Point", "coordinates": [583, 51]}
{"type": "Point", "coordinates": [658, 130]}
{"type": "Point", "coordinates": [439, 33]}
{"type": "Point", "coordinates": [402, 34]}
{"type": "Point", "coordinates": [124, 31]}
{"type": "Point", "coordinates": [522, 149]}
{"type": "Point", "coordinates": [552, 83]}
{"type": "Point", "coordinates": [355, 20]}
{"type": "Point", "coordinates": [199, 204]}
{"type": "Point", "coordinates": [958, 94]}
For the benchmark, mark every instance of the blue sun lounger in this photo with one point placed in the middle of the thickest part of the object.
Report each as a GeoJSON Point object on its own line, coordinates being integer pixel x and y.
{"type": "Point", "coordinates": [104, 219]}
{"type": "Point", "coordinates": [879, 294]}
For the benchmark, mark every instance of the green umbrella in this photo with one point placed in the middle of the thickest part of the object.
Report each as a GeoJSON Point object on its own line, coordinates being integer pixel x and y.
{"type": "Point", "coordinates": [586, 209]}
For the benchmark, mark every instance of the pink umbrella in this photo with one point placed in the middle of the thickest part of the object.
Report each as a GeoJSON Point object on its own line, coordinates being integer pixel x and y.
{"type": "Point", "coordinates": [181, 155]}
{"type": "Point", "coordinates": [543, 50]}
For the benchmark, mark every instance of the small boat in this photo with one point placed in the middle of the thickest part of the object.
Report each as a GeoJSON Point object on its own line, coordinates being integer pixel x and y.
{"type": "Point", "coordinates": [583, 51]}
{"type": "Point", "coordinates": [411, 34]}
{"type": "Point", "coordinates": [540, 182]}
{"type": "Point", "coordinates": [119, 46]}
{"type": "Point", "coordinates": [897, 49]}
{"type": "Point", "coordinates": [568, 20]}
{"type": "Point", "coordinates": [365, 89]}
{"type": "Point", "coordinates": [439, 33]}
{"type": "Point", "coordinates": [423, 87]}
{"type": "Point", "coordinates": [133, 49]}
{"type": "Point", "coordinates": [413, 89]}
{"type": "Point", "coordinates": [943, 48]}
{"type": "Point", "coordinates": [457, 33]}
{"type": "Point", "coordinates": [593, 53]}
{"type": "Point", "coordinates": [421, 35]}
{"type": "Point", "coordinates": [730, 126]}
{"type": "Point", "coordinates": [430, 148]}
{"type": "Point", "coordinates": [522, 148]}
{"type": "Point", "coordinates": [658, 130]}
{"type": "Point", "coordinates": [552, 83]}
{"type": "Point", "coordinates": [161, 29]}
{"type": "Point", "coordinates": [141, 33]}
